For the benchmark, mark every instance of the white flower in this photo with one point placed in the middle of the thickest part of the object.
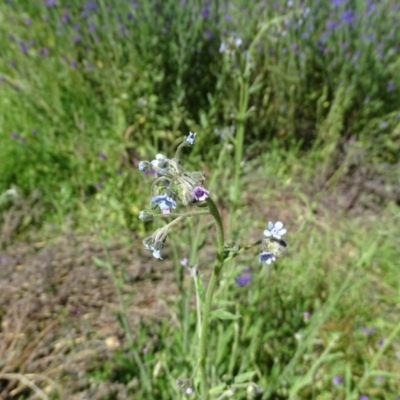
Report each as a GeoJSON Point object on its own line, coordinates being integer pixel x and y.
{"type": "Point", "coordinates": [275, 230]}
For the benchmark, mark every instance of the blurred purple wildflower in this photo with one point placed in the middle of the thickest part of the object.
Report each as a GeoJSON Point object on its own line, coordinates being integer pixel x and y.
{"type": "Point", "coordinates": [65, 17]}
{"type": "Point", "coordinates": [91, 6]}
{"type": "Point", "coordinates": [23, 47]}
{"type": "Point", "coordinates": [306, 315]}
{"type": "Point", "coordinates": [28, 21]}
{"type": "Point", "coordinates": [205, 12]}
{"type": "Point", "coordinates": [337, 380]}
{"type": "Point", "coordinates": [99, 185]}
{"type": "Point", "coordinates": [367, 331]}
{"type": "Point", "coordinates": [390, 86]}
{"type": "Point", "coordinates": [338, 3]}
{"type": "Point", "coordinates": [50, 3]}
{"type": "Point", "coordinates": [77, 38]}
{"type": "Point", "coordinates": [14, 135]}
{"type": "Point", "coordinates": [364, 398]}
{"type": "Point", "coordinates": [331, 24]}
{"type": "Point", "coordinates": [102, 156]}
{"type": "Point", "coordinates": [73, 64]}
{"type": "Point", "coordinates": [43, 52]}
{"type": "Point", "coordinates": [347, 16]}
{"type": "Point", "coordinates": [244, 278]}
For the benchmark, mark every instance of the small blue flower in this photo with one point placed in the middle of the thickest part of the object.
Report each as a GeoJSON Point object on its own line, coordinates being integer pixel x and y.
{"type": "Point", "coordinates": [164, 202]}
{"type": "Point", "coordinates": [244, 278]}
{"type": "Point", "coordinates": [191, 138]}
{"type": "Point", "coordinates": [275, 230]}
{"type": "Point", "coordinates": [266, 257]}
{"type": "Point", "coordinates": [200, 193]}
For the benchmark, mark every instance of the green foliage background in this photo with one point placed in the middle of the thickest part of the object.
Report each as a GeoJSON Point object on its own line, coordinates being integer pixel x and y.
{"type": "Point", "coordinates": [88, 88]}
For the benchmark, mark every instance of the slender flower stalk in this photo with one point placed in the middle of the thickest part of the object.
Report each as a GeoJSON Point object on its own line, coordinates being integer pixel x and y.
{"type": "Point", "coordinates": [209, 297]}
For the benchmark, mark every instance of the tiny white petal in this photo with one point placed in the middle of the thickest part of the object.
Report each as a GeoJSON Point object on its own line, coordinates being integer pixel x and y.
{"type": "Point", "coordinates": [278, 225]}
{"type": "Point", "coordinates": [270, 225]}
{"type": "Point", "coordinates": [157, 254]}
{"type": "Point", "coordinates": [267, 233]}
{"type": "Point", "coordinates": [282, 231]}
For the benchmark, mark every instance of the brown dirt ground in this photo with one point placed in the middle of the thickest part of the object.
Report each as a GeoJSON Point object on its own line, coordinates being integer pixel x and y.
{"type": "Point", "coordinates": [57, 309]}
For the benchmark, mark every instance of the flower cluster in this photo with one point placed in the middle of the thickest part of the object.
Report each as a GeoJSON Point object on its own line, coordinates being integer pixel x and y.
{"type": "Point", "coordinates": [273, 245]}
{"type": "Point", "coordinates": [172, 184]}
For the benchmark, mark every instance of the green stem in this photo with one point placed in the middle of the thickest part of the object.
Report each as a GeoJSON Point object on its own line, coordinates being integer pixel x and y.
{"type": "Point", "coordinates": [208, 301]}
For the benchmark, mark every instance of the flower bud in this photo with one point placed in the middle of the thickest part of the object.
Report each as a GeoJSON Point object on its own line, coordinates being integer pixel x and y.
{"type": "Point", "coordinates": [145, 216]}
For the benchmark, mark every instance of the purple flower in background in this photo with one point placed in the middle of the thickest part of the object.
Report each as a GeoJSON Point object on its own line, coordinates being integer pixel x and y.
{"type": "Point", "coordinates": [367, 99]}
{"type": "Point", "coordinates": [367, 331]}
{"type": "Point", "coordinates": [23, 47]}
{"type": "Point", "coordinates": [208, 34]}
{"type": "Point", "coordinates": [90, 67]}
{"type": "Point", "coordinates": [205, 12]}
{"type": "Point", "coordinates": [50, 3]}
{"type": "Point", "coordinates": [14, 135]}
{"type": "Point", "coordinates": [90, 6]}
{"type": "Point", "coordinates": [28, 21]}
{"type": "Point", "coordinates": [77, 38]}
{"type": "Point", "coordinates": [99, 185]}
{"type": "Point", "coordinates": [73, 64]}
{"type": "Point", "coordinates": [306, 315]}
{"type": "Point", "coordinates": [102, 156]}
{"type": "Point", "coordinates": [244, 278]}
{"type": "Point", "coordinates": [65, 17]}
{"type": "Point", "coordinates": [390, 86]}
{"type": "Point", "coordinates": [381, 341]}
{"type": "Point", "coordinates": [43, 52]}
{"type": "Point", "coordinates": [337, 380]}
{"type": "Point", "coordinates": [338, 3]}
{"type": "Point", "coordinates": [331, 24]}
{"type": "Point", "coordinates": [347, 16]}
{"type": "Point", "coordinates": [364, 398]}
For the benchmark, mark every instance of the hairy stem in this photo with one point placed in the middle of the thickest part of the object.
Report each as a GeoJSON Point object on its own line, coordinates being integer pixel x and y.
{"type": "Point", "coordinates": [209, 297]}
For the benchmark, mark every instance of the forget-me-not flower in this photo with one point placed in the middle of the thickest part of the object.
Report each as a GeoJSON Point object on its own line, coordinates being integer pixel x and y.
{"type": "Point", "coordinates": [165, 203]}
{"type": "Point", "coordinates": [275, 230]}
{"type": "Point", "coordinates": [267, 257]}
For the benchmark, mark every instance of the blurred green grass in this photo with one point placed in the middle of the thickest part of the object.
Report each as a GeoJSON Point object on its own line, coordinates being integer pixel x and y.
{"type": "Point", "coordinates": [90, 88]}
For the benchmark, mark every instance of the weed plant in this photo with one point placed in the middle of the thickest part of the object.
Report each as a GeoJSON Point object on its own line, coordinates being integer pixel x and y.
{"type": "Point", "coordinates": [89, 87]}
